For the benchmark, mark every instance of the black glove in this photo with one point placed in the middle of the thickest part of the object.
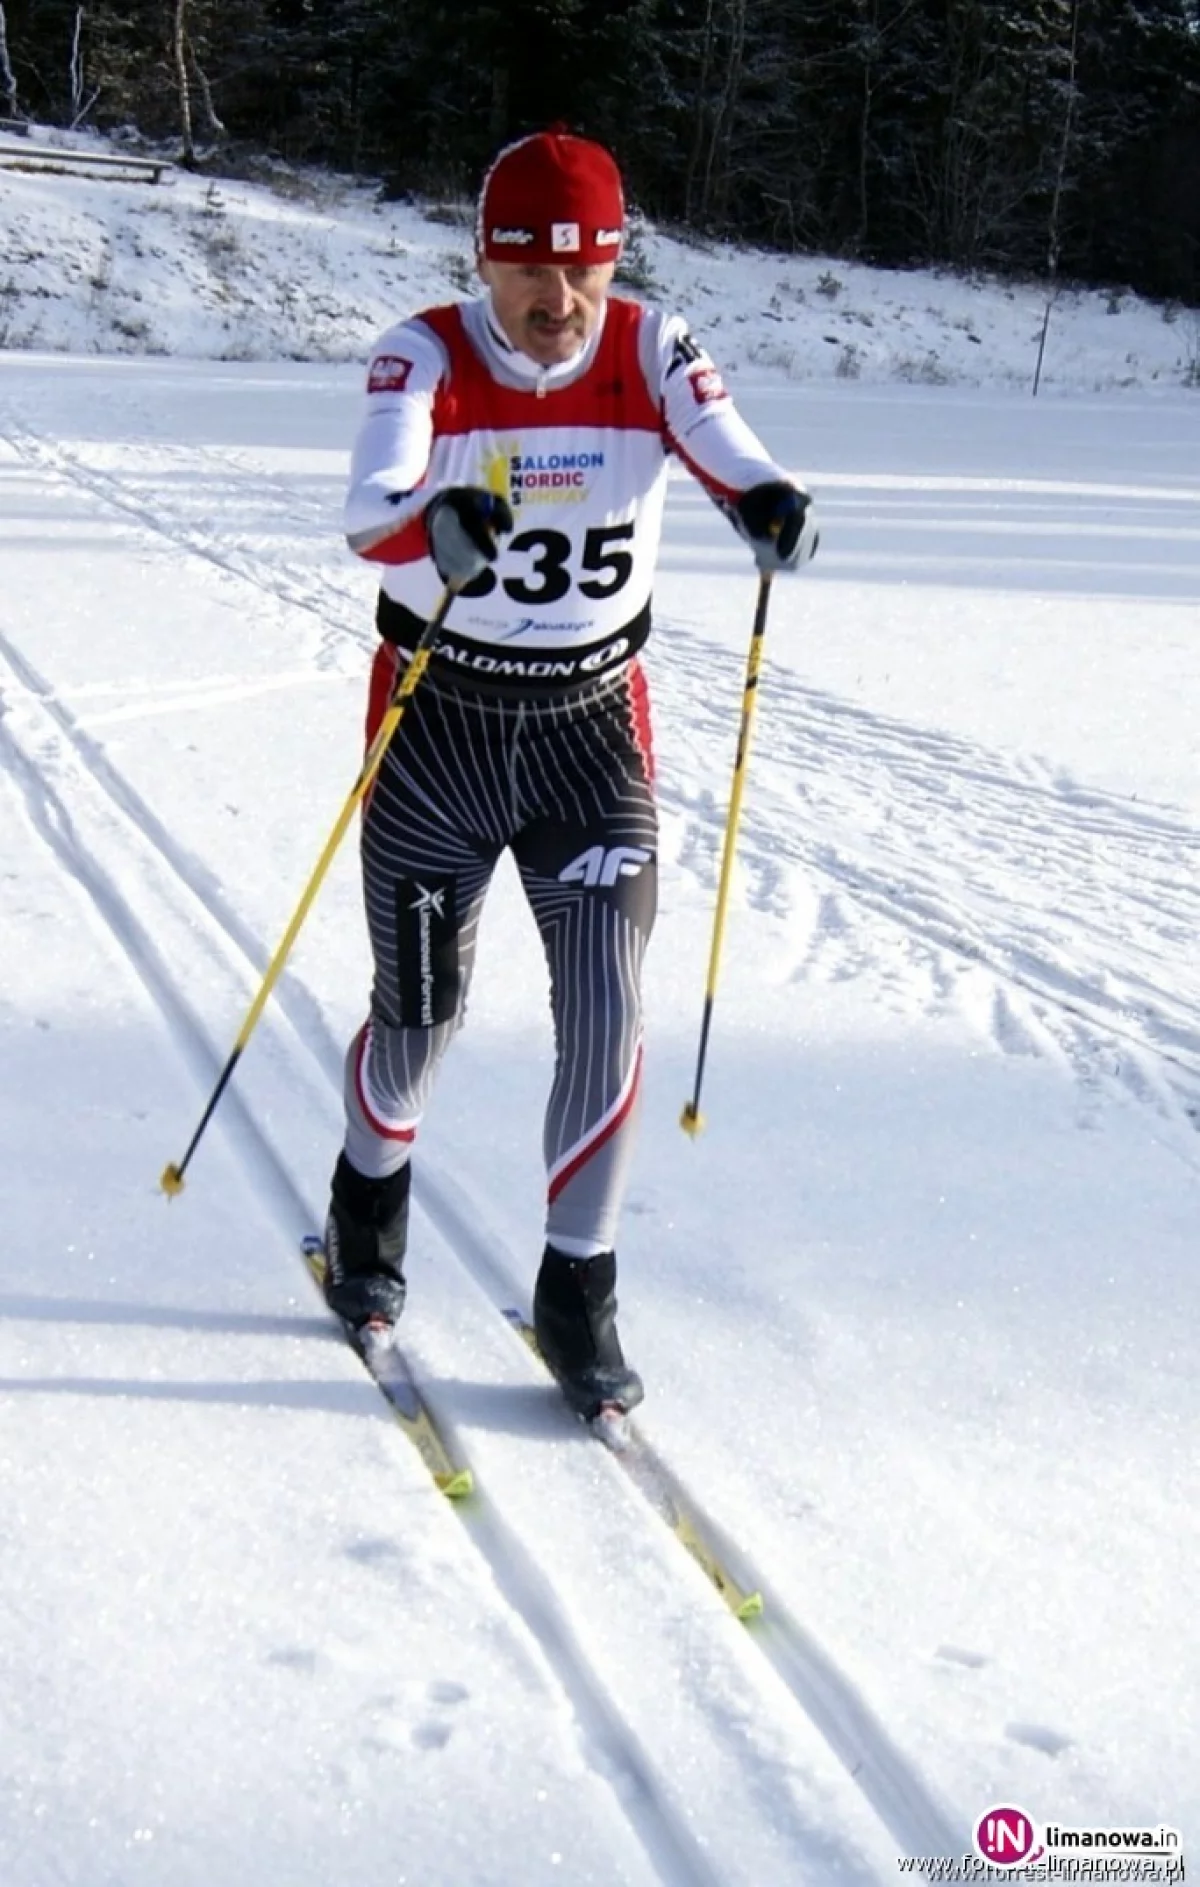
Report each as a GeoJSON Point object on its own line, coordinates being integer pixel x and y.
{"type": "Point", "coordinates": [462, 525]}
{"type": "Point", "coordinates": [779, 523]}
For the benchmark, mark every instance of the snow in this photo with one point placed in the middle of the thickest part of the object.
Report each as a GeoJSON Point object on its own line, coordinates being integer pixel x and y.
{"type": "Point", "coordinates": [313, 267]}
{"type": "Point", "coordinates": [916, 1311]}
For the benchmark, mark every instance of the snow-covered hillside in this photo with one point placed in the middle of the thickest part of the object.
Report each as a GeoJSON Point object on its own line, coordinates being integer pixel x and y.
{"type": "Point", "coordinates": [310, 267]}
{"type": "Point", "coordinates": [916, 1312]}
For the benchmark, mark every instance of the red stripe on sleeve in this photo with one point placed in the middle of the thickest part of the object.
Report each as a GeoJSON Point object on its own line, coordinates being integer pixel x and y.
{"type": "Point", "coordinates": [409, 544]}
{"type": "Point", "coordinates": [711, 485]}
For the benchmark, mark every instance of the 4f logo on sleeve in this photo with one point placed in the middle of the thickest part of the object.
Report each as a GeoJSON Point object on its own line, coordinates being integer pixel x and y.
{"type": "Point", "coordinates": [389, 374]}
{"type": "Point", "coordinates": [600, 867]}
{"type": "Point", "coordinates": [685, 353]}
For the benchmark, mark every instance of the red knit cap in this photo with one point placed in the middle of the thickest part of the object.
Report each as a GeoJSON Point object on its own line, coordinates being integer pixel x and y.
{"type": "Point", "coordinates": [551, 198]}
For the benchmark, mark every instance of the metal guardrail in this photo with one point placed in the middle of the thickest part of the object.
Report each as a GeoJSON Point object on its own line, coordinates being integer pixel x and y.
{"type": "Point", "coordinates": [46, 157]}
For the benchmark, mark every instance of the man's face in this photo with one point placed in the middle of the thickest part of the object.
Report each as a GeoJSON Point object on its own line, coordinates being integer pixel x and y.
{"type": "Point", "coordinates": [545, 311]}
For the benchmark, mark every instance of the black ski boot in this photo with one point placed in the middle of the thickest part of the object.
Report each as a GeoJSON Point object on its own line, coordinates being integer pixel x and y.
{"type": "Point", "coordinates": [366, 1234]}
{"type": "Point", "coordinates": [575, 1318]}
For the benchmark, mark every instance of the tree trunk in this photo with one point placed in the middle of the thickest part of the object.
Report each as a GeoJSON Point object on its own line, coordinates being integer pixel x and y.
{"type": "Point", "coordinates": [695, 210]}
{"type": "Point", "coordinates": [77, 68]}
{"type": "Point", "coordinates": [212, 122]}
{"type": "Point", "coordinates": [718, 169]}
{"type": "Point", "coordinates": [8, 78]}
{"type": "Point", "coordinates": [1054, 233]}
{"type": "Point", "coordinates": [183, 82]}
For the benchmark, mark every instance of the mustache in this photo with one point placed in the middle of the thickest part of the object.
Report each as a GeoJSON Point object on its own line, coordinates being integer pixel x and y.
{"type": "Point", "coordinates": [540, 319]}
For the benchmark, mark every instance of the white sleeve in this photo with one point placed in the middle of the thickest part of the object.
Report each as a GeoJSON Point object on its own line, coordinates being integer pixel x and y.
{"type": "Point", "coordinates": [703, 426]}
{"type": "Point", "coordinates": [391, 453]}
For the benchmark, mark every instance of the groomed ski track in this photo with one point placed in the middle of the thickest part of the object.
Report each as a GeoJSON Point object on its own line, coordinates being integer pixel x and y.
{"type": "Point", "coordinates": [759, 1701]}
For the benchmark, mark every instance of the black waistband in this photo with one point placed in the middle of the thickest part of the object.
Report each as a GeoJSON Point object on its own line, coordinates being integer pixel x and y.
{"type": "Point", "coordinates": [494, 668]}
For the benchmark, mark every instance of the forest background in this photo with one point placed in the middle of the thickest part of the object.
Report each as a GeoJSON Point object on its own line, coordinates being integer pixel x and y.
{"type": "Point", "coordinates": [1052, 138]}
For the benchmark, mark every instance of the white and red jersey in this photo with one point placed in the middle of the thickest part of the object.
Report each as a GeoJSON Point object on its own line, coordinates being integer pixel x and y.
{"type": "Point", "coordinates": [580, 451]}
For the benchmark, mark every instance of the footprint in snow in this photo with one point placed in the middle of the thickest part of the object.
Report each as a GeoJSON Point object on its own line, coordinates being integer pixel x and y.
{"type": "Point", "coordinates": [445, 1691]}
{"type": "Point", "coordinates": [1010, 1030]}
{"type": "Point", "coordinates": [421, 1721]}
{"type": "Point", "coordinates": [955, 1654]}
{"type": "Point", "coordinates": [301, 1658]}
{"type": "Point", "coordinates": [1036, 1736]}
{"type": "Point", "coordinates": [372, 1552]}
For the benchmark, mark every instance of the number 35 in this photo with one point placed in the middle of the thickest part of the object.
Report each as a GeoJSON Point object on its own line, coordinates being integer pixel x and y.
{"type": "Point", "coordinates": [548, 579]}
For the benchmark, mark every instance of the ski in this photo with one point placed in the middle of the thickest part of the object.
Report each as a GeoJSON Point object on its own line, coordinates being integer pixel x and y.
{"type": "Point", "coordinates": [392, 1376]}
{"type": "Point", "coordinates": [618, 1434]}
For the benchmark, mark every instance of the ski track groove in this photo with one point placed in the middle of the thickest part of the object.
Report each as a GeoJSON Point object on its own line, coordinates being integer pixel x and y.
{"type": "Point", "coordinates": [337, 607]}
{"type": "Point", "coordinates": [670, 1849]}
{"type": "Point", "coordinates": [303, 1011]}
{"type": "Point", "coordinates": [829, 1702]}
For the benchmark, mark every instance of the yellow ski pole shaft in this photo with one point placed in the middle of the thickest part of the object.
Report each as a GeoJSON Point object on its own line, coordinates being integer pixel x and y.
{"type": "Point", "coordinates": [691, 1119]}
{"type": "Point", "coordinates": [172, 1180]}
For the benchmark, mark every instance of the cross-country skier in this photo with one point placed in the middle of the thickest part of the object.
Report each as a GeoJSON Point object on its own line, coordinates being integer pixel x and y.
{"type": "Point", "coordinates": [515, 448]}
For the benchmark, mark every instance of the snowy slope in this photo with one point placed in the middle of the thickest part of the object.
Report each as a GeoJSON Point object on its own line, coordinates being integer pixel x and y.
{"type": "Point", "coordinates": [304, 266]}
{"type": "Point", "coordinates": [915, 1312]}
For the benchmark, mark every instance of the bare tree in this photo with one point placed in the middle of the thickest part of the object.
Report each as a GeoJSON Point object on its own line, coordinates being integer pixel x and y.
{"type": "Point", "coordinates": [8, 78]}
{"type": "Point", "coordinates": [213, 123]}
{"type": "Point", "coordinates": [875, 30]}
{"type": "Point", "coordinates": [717, 170]}
{"type": "Point", "coordinates": [1054, 234]}
{"type": "Point", "coordinates": [693, 205]}
{"type": "Point", "coordinates": [179, 54]}
{"type": "Point", "coordinates": [80, 106]}
{"type": "Point", "coordinates": [76, 68]}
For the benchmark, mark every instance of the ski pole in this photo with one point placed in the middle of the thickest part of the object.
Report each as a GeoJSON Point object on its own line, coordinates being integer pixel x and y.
{"type": "Point", "coordinates": [172, 1179]}
{"type": "Point", "coordinates": [691, 1119]}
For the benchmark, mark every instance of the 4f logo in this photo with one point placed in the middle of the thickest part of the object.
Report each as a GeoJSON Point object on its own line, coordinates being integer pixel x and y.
{"type": "Point", "coordinates": [598, 866]}
{"type": "Point", "coordinates": [429, 903]}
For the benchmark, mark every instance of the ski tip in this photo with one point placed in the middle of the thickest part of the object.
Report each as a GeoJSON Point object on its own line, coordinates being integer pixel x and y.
{"type": "Point", "coordinates": [749, 1607]}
